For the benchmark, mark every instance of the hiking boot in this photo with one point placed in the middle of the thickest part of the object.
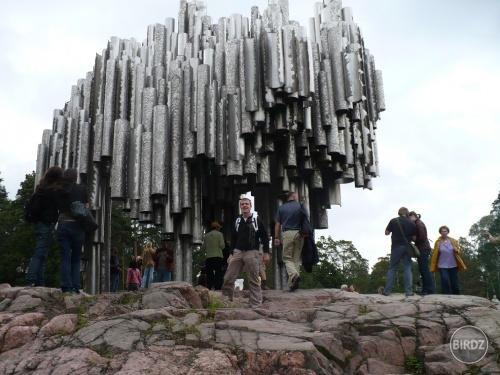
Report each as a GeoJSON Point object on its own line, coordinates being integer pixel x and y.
{"type": "Point", "coordinates": [265, 287]}
{"type": "Point", "coordinates": [295, 283]}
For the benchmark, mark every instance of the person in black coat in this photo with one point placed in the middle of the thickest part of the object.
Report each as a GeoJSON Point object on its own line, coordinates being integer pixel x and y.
{"type": "Point", "coordinates": [45, 224]}
{"type": "Point", "coordinates": [70, 234]}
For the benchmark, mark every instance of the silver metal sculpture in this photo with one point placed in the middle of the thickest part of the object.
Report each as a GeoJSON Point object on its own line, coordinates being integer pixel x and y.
{"type": "Point", "coordinates": [178, 127]}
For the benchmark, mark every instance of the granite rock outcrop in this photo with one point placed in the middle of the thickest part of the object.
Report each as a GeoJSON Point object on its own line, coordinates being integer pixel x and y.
{"type": "Point", "coordinates": [179, 329]}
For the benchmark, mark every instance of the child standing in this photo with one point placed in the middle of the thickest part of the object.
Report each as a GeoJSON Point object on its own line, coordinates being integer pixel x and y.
{"type": "Point", "coordinates": [133, 277]}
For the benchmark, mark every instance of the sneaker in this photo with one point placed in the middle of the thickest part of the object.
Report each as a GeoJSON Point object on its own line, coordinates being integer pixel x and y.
{"type": "Point", "coordinates": [409, 295]}
{"type": "Point", "coordinates": [295, 283]}
{"type": "Point", "coordinates": [265, 287]}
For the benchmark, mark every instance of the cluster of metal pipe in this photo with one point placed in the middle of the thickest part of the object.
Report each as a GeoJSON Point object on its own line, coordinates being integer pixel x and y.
{"type": "Point", "coordinates": [179, 126]}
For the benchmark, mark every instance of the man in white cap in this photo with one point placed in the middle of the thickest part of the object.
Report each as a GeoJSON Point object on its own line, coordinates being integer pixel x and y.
{"type": "Point", "coordinates": [213, 244]}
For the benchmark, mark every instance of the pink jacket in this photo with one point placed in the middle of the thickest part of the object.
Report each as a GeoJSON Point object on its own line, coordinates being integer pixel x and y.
{"type": "Point", "coordinates": [134, 276]}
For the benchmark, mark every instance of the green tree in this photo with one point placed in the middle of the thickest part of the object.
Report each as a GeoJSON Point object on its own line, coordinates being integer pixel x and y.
{"type": "Point", "coordinates": [485, 261]}
{"type": "Point", "coordinates": [342, 263]}
{"type": "Point", "coordinates": [472, 281]}
{"type": "Point", "coordinates": [379, 274]}
{"type": "Point", "coordinates": [325, 274]}
{"type": "Point", "coordinates": [18, 244]}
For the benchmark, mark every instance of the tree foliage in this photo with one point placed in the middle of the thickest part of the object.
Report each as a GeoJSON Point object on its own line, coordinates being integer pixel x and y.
{"type": "Point", "coordinates": [340, 263]}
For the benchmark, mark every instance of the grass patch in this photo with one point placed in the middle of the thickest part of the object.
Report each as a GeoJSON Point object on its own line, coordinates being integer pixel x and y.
{"type": "Point", "coordinates": [126, 299]}
{"type": "Point", "coordinates": [83, 321]}
{"type": "Point", "coordinates": [414, 365]}
{"type": "Point", "coordinates": [356, 326]}
{"type": "Point", "coordinates": [181, 335]}
{"type": "Point", "coordinates": [237, 349]}
{"type": "Point", "coordinates": [363, 310]}
{"type": "Point", "coordinates": [166, 322]}
{"type": "Point", "coordinates": [397, 332]}
{"type": "Point", "coordinates": [61, 332]}
{"type": "Point", "coordinates": [213, 305]}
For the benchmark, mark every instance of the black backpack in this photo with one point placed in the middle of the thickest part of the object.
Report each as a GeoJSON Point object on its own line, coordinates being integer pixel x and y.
{"type": "Point", "coordinates": [32, 210]}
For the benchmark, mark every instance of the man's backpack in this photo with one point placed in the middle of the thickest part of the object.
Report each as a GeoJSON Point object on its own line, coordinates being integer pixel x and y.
{"type": "Point", "coordinates": [254, 222]}
{"type": "Point", "coordinates": [32, 209]}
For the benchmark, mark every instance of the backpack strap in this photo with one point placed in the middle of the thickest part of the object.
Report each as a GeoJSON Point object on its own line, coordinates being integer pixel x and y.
{"type": "Point", "coordinates": [254, 222]}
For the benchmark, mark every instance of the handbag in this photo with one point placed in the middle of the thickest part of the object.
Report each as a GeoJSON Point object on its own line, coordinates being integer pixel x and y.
{"type": "Point", "coordinates": [82, 214]}
{"type": "Point", "coordinates": [306, 228]}
{"type": "Point", "coordinates": [411, 248]}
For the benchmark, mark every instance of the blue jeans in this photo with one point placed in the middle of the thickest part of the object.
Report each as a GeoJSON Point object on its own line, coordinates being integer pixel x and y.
{"type": "Point", "coordinates": [162, 275]}
{"type": "Point", "coordinates": [399, 253]}
{"type": "Point", "coordinates": [423, 266]}
{"type": "Point", "coordinates": [449, 280]}
{"type": "Point", "coordinates": [36, 269]}
{"type": "Point", "coordinates": [70, 236]}
{"type": "Point", "coordinates": [113, 281]}
{"type": "Point", "coordinates": [147, 277]}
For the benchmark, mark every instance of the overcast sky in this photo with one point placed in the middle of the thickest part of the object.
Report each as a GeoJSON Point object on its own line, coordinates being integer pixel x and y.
{"type": "Point", "coordinates": [439, 140]}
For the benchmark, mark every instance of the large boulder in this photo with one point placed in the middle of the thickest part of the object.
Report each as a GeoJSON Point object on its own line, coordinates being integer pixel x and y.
{"type": "Point", "coordinates": [178, 329]}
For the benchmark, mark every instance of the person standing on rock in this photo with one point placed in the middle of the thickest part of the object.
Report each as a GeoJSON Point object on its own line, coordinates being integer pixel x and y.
{"type": "Point", "coordinates": [398, 250]}
{"type": "Point", "coordinates": [133, 277]}
{"type": "Point", "coordinates": [164, 262]}
{"type": "Point", "coordinates": [422, 242]}
{"type": "Point", "coordinates": [288, 220]}
{"type": "Point", "coordinates": [491, 238]}
{"type": "Point", "coordinates": [446, 260]}
{"type": "Point", "coordinates": [213, 245]}
{"type": "Point", "coordinates": [248, 233]}
{"type": "Point", "coordinates": [45, 194]}
{"type": "Point", "coordinates": [149, 265]}
{"type": "Point", "coordinates": [115, 269]}
{"type": "Point", "coordinates": [70, 234]}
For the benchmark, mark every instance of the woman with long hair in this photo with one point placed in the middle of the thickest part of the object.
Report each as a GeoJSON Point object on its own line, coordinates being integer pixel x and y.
{"type": "Point", "coordinates": [149, 265]}
{"type": "Point", "coordinates": [70, 234]}
{"type": "Point", "coordinates": [45, 224]}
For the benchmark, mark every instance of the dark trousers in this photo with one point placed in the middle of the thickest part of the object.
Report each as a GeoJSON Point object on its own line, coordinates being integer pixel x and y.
{"type": "Point", "coordinates": [423, 266]}
{"type": "Point", "coordinates": [113, 282]}
{"type": "Point", "coordinates": [215, 275]}
{"type": "Point", "coordinates": [449, 280]}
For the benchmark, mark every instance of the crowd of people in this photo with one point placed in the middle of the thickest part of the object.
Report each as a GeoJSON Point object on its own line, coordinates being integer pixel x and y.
{"type": "Point", "coordinates": [248, 249]}
{"type": "Point", "coordinates": [52, 211]}
{"type": "Point", "coordinates": [157, 265]}
{"type": "Point", "coordinates": [445, 259]}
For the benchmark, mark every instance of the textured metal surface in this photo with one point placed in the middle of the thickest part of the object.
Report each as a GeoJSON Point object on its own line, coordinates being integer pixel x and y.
{"type": "Point", "coordinates": [177, 127]}
{"type": "Point", "coordinates": [146, 173]}
{"type": "Point", "coordinates": [160, 151]}
{"type": "Point", "coordinates": [118, 176]}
